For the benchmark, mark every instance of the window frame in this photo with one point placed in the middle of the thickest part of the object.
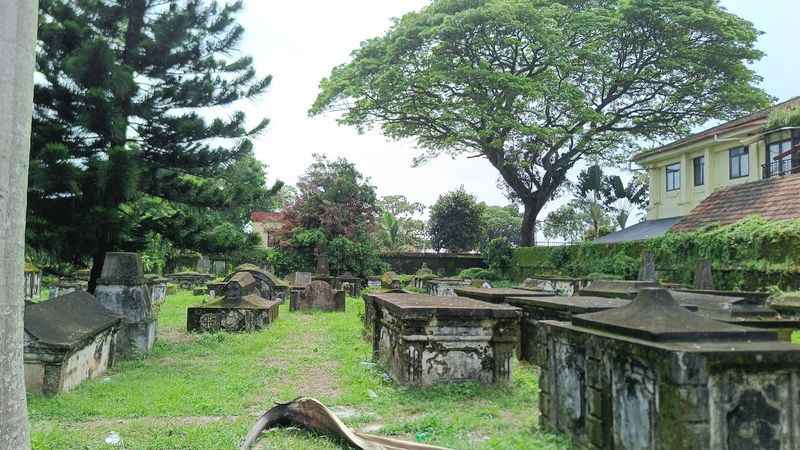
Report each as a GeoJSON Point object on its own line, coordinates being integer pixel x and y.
{"type": "Point", "coordinates": [770, 161]}
{"type": "Point", "coordinates": [670, 170]}
{"type": "Point", "coordinates": [699, 173]}
{"type": "Point", "coordinates": [742, 152]}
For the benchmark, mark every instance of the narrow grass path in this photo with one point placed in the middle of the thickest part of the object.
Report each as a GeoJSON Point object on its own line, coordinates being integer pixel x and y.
{"type": "Point", "coordinates": [205, 391]}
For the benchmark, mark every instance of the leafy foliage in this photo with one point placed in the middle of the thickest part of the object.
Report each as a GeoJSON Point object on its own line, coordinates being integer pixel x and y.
{"type": "Point", "coordinates": [334, 213]}
{"type": "Point", "coordinates": [401, 228]}
{"type": "Point", "coordinates": [120, 121]}
{"type": "Point", "coordinates": [500, 222]}
{"type": "Point", "coordinates": [751, 254]}
{"type": "Point", "coordinates": [499, 255]}
{"type": "Point", "coordinates": [783, 118]}
{"type": "Point", "coordinates": [455, 222]}
{"type": "Point", "coordinates": [477, 273]}
{"type": "Point", "coordinates": [534, 86]}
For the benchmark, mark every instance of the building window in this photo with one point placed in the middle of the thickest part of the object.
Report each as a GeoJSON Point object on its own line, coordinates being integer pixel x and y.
{"type": "Point", "coordinates": [673, 177]}
{"type": "Point", "coordinates": [777, 164]}
{"type": "Point", "coordinates": [699, 164]}
{"type": "Point", "coordinates": [740, 162]}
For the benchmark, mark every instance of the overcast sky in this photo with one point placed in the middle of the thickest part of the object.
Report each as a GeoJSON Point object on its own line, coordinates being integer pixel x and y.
{"type": "Point", "coordinates": [298, 42]}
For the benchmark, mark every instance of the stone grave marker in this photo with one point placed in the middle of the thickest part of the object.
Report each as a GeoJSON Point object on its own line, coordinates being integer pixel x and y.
{"type": "Point", "coordinates": [318, 295]}
{"type": "Point", "coordinates": [703, 276]}
{"type": "Point", "coordinates": [647, 271]}
{"type": "Point", "coordinates": [122, 289]}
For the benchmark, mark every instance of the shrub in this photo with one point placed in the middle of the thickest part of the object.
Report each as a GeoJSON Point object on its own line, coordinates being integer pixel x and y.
{"type": "Point", "coordinates": [479, 274]}
{"type": "Point", "coordinates": [499, 255]}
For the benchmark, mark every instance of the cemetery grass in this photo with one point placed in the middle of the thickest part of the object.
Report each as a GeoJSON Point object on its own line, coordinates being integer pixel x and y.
{"type": "Point", "coordinates": [205, 391]}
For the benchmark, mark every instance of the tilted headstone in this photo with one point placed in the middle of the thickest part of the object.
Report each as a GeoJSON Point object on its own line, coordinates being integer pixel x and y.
{"type": "Point", "coordinates": [318, 295]}
{"type": "Point", "coordinates": [647, 272]}
{"type": "Point", "coordinates": [703, 276]}
{"type": "Point", "coordinates": [300, 279]}
{"type": "Point", "coordinates": [122, 289]}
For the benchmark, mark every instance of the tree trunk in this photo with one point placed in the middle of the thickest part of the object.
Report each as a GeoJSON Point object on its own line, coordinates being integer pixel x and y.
{"type": "Point", "coordinates": [17, 39]}
{"type": "Point", "coordinates": [97, 267]}
{"type": "Point", "coordinates": [528, 233]}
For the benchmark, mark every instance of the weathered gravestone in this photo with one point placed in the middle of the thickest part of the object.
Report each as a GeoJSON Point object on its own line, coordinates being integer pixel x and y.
{"type": "Point", "coordinates": [559, 285]}
{"type": "Point", "coordinates": [349, 283]}
{"type": "Point", "coordinates": [318, 295]}
{"type": "Point", "coordinates": [33, 281]}
{"type": "Point", "coordinates": [424, 340]}
{"type": "Point", "coordinates": [647, 271]}
{"type": "Point", "coordinates": [703, 276]}
{"type": "Point", "coordinates": [122, 289]}
{"type": "Point", "coordinates": [68, 340]}
{"type": "Point", "coordinates": [653, 375]}
{"type": "Point", "coordinates": [241, 308]}
{"type": "Point", "coordinates": [269, 286]}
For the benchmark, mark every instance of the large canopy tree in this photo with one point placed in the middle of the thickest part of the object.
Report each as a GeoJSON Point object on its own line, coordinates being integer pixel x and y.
{"type": "Point", "coordinates": [128, 111]}
{"type": "Point", "coordinates": [533, 86]}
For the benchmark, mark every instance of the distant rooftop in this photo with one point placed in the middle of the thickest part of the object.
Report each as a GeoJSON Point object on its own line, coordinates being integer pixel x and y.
{"type": "Point", "coordinates": [774, 199]}
{"type": "Point", "coordinates": [640, 232]}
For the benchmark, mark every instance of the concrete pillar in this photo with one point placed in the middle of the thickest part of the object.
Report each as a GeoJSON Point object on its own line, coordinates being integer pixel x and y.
{"type": "Point", "coordinates": [708, 174]}
{"type": "Point", "coordinates": [122, 290]}
{"type": "Point", "coordinates": [17, 40]}
{"type": "Point", "coordinates": [685, 180]}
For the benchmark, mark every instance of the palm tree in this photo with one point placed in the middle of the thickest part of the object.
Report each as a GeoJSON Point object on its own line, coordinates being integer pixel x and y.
{"type": "Point", "coordinates": [636, 193]}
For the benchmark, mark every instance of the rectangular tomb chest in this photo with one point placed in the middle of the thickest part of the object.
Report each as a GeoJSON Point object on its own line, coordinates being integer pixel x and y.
{"type": "Point", "coordinates": [444, 287]}
{"type": "Point", "coordinates": [560, 285]}
{"type": "Point", "coordinates": [533, 340]}
{"type": "Point", "coordinates": [654, 375]}
{"type": "Point", "coordinates": [68, 339]}
{"type": "Point", "coordinates": [425, 340]}
{"type": "Point", "coordinates": [498, 295]}
{"type": "Point", "coordinates": [240, 309]}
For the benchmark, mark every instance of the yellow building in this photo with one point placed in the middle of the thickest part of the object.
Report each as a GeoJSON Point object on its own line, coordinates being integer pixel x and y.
{"type": "Point", "coordinates": [685, 172]}
{"type": "Point", "coordinates": [736, 160]}
{"type": "Point", "coordinates": [267, 224]}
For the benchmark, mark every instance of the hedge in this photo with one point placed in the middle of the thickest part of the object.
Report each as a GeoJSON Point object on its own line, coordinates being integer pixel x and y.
{"type": "Point", "coordinates": [752, 254]}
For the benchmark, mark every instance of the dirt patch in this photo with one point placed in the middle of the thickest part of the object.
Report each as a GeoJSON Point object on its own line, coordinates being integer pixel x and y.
{"type": "Point", "coordinates": [179, 421]}
{"type": "Point", "coordinates": [175, 336]}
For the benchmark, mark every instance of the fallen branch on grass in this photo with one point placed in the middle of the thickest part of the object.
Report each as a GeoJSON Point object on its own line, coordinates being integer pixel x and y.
{"type": "Point", "coordinates": [311, 414]}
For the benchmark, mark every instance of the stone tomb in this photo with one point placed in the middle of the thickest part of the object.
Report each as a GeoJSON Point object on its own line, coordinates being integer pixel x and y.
{"type": "Point", "coordinates": [653, 375]}
{"type": "Point", "coordinates": [533, 339]}
{"type": "Point", "coordinates": [269, 286]}
{"type": "Point", "coordinates": [33, 282]}
{"type": "Point", "coordinates": [445, 287]}
{"type": "Point", "coordinates": [747, 309]}
{"type": "Point", "coordinates": [68, 339]}
{"type": "Point", "coordinates": [318, 295]}
{"type": "Point", "coordinates": [423, 340]}
{"type": "Point", "coordinates": [64, 286]}
{"type": "Point", "coordinates": [349, 283]}
{"type": "Point", "coordinates": [498, 295]}
{"type": "Point", "coordinates": [560, 285]}
{"type": "Point", "coordinates": [241, 308]}
{"type": "Point", "coordinates": [616, 288]}
{"type": "Point", "coordinates": [190, 280]}
{"type": "Point", "coordinates": [122, 289]}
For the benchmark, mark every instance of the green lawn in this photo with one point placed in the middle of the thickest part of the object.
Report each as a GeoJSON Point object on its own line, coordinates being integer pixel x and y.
{"type": "Point", "coordinates": [204, 392]}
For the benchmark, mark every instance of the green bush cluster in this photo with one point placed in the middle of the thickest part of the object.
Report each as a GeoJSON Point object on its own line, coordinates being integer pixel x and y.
{"type": "Point", "coordinates": [751, 254]}
{"type": "Point", "coordinates": [479, 274]}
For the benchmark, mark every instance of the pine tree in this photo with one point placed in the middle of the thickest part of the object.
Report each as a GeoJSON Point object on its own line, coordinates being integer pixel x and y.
{"type": "Point", "coordinates": [127, 112]}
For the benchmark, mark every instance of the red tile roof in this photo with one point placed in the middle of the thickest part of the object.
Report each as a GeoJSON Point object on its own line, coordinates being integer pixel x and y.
{"type": "Point", "coordinates": [749, 119]}
{"type": "Point", "coordinates": [776, 198]}
{"type": "Point", "coordinates": [263, 216]}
